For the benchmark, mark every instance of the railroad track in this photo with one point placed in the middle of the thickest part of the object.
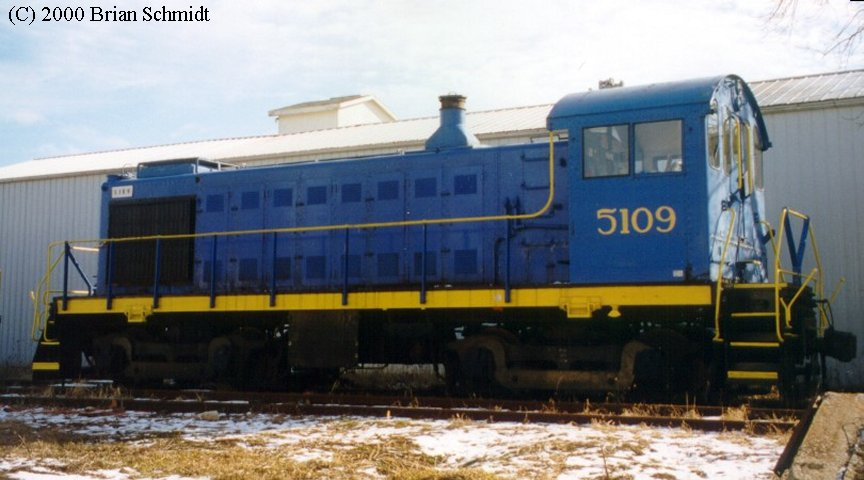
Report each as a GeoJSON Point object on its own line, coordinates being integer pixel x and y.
{"type": "Point", "coordinates": [705, 418]}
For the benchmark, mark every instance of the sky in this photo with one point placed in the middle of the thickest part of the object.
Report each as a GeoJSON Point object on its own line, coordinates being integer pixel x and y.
{"type": "Point", "coordinates": [83, 86]}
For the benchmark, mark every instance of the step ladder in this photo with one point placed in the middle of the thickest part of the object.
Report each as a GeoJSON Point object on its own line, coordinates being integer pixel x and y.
{"type": "Point", "coordinates": [767, 334]}
{"type": "Point", "coordinates": [48, 356]}
{"type": "Point", "coordinates": [752, 333]}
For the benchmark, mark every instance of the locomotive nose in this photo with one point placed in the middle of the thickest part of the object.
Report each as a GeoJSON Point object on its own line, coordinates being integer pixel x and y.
{"type": "Point", "coordinates": [452, 132]}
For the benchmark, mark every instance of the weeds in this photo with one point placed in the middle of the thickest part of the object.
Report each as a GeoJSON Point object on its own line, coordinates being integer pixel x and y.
{"type": "Point", "coordinates": [395, 456]}
{"type": "Point", "coordinates": [351, 448]}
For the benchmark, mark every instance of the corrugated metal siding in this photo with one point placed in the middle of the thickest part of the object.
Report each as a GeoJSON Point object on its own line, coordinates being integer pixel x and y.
{"type": "Point", "coordinates": [33, 214]}
{"type": "Point", "coordinates": [817, 167]}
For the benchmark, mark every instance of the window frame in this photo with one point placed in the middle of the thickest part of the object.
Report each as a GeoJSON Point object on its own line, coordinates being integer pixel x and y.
{"type": "Point", "coordinates": [630, 128]}
{"type": "Point", "coordinates": [665, 171]}
{"type": "Point", "coordinates": [585, 152]}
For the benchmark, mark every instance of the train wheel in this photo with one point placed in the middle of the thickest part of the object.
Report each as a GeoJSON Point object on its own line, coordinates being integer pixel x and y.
{"type": "Point", "coordinates": [472, 373]}
{"type": "Point", "coordinates": [478, 366]}
{"type": "Point", "coordinates": [801, 382]}
{"type": "Point", "coordinates": [70, 360]}
{"type": "Point", "coordinates": [111, 357]}
{"type": "Point", "coordinates": [238, 359]}
{"type": "Point", "coordinates": [454, 376]}
{"type": "Point", "coordinates": [670, 369]}
{"type": "Point", "coordinates": [472, 363]}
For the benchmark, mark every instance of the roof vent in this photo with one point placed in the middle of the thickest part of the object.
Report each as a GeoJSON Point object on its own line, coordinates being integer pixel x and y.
{"type": "Point", "coordinates": [451, 133]}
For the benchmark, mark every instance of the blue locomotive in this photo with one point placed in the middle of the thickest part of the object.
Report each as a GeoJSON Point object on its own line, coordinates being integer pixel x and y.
{"type": "Point", "coordinates": [630, 252]}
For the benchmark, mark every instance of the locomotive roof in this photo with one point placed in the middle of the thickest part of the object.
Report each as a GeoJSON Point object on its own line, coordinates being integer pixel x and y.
{"type": "Point", "coordinates": [635, 98]}
{"type": "Point", "coordinates": [656, 95]}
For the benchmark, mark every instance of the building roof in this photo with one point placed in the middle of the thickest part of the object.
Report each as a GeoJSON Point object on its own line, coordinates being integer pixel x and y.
{"type": "Point", "coordinates": [835, 86]}
{"type": "Point", "coordinates": [405, 134]}
{"type": "Point", "coordinates": [334, 103]}
{"type": "Point", "coordinates": [317, 105]}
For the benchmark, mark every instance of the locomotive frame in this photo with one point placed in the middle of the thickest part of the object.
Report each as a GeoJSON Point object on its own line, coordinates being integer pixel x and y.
{"type": "Point", "coordinates": [582, 266]}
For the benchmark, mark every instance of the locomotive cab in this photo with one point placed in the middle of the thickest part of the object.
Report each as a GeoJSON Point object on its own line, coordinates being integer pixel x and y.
{"type": "Point", "coordinates": [651, 186]}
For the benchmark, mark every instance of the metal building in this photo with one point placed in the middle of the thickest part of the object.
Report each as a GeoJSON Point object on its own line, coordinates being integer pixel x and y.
{"type": "Point", "coordinates": [816, 124]}
{"type": "Point", "coordinates": [816, 165]}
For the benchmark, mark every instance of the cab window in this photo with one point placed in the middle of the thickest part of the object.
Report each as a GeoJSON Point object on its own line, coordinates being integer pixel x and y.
{"type": "Point", "coordinates": [712, 132]}
{"type": "Point", "coordinates": [657, 147]}
{"type": "Point", "coordinates": [731, 143]}
{"type": "Point", "coordinates": [606, 151]}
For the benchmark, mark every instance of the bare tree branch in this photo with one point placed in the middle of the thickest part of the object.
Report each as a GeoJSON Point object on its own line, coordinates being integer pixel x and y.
{"type": "Point", "coordinates": [847, 38]}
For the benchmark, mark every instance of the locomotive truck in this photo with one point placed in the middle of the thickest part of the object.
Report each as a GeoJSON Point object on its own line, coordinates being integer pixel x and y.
{"type": "Point", "coordinates": [629, 253]}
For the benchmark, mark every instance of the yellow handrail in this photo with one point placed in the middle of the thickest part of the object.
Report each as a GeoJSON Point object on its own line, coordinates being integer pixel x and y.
{"type": "Point", "coordinates": [736, 148]}
{"type": "Point", "coordinates": [349, 226]}
{"type": "Point", "coordinates": [750, 159]}
{"type": "Point", "coordinates": [771, 236]}
{"type": "Point", "coordinates": [837, 289]}
{"type": "Point", "coordinates": [788, 306]}
{"type": "Point", "coordinates": [41, 298]}
{"type": "Point", "coordinates": [46, 280]}
{"type": "Point", "coordinates": [720, 266]}
{"type": "Point", "coordinates": [816, 276]}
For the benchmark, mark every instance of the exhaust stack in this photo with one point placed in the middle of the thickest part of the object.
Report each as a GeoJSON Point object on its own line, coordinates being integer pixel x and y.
{"type": "Point", "coordinates": [451, 133]}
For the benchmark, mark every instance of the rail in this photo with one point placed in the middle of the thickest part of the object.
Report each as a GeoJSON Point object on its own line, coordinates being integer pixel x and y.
{"type": "Point", "coordinates": [783, 277]}
{"type": "Point", "coordinates": [703, 418]}
{"type": "Point", "coordinates": [44, 293]}
{"type": "Point", "coordinates": [795, 275]}
{"type": "Point", "coordinates": [718, 291]}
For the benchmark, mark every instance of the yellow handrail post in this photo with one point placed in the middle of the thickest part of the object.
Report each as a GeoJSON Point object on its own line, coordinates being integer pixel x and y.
{"type": "Point", "coordinates": [816, 275]}
{"type": "Point", "coordinates": [837, 289]}
{"type": "Point", "coordinates": [720, 268]}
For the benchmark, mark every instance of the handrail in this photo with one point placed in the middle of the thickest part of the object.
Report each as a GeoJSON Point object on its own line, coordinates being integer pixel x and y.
{"type": "Point", "coordinates": [800, 280]}
{"type": "Point", "coordinates": [837, 289]}
{"type": "Point", "coordinates": [736, 147]}
{"type": "Point", "coordinates": [750, 159]}
{"type": "Point", "coordinates": [788, 306]}
{"type": "Point", "coordinates": [343, 226]}
{"type": "Point", "coordinates": [770, 235]}
{"type": "Point", "coordinates": [44, 287]}
{"type": "Point", "coordinates": [42, 296]}
{"type": "Point", "coordinates": [816, 276]}
{"type": "Point", "coordinates": [720, 266]}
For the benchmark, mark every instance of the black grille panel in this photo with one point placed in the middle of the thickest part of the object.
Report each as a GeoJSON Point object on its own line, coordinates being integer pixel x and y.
{"type": "Point", "coordinates": [135, 261]}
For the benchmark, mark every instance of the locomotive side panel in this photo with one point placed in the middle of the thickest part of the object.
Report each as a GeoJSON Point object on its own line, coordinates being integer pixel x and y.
{"type": "Point", "coordinates": [354, 195]}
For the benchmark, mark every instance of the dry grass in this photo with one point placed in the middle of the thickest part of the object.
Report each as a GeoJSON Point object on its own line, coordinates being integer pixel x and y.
{"type": "Point", "coordinates": [648, 410]}
{"type": "Point", "coordinates": [165, 457]}
{"type": "Point", "coordinates": [85, 390]}
{"type": "Point", "coordinates": [395, 457]}
{"type": "Point", "coordinates": [334, 448]}
{"type": "Point", "coordinates": [739, 414]}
